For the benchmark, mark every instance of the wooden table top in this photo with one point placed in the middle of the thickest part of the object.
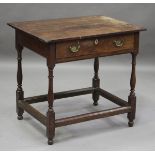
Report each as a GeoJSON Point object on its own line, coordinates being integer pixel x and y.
{"type": "Point", "coordinates": [54, 30]}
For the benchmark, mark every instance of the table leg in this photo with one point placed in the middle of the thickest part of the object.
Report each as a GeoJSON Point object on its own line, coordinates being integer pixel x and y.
{"type": "Point", "coordinates": [50, 112]}
{"type": "Point", "coordinates": [19, 91]}
{"type": "Point", "coordinates": [132, 96]}
{"type": "Point", "coordinates": [96, 81]}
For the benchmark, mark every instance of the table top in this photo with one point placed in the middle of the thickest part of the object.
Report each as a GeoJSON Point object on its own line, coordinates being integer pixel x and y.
{"type": "Point", "coordinates": [54, 30]}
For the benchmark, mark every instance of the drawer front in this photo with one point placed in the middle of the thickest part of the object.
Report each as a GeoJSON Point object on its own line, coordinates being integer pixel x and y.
{"type": "Point", "coordinates": [82, 49]}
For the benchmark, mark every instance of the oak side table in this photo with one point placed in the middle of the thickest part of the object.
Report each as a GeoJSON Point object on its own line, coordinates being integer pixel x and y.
{"type": "Point", "coordinates": [73, 39]}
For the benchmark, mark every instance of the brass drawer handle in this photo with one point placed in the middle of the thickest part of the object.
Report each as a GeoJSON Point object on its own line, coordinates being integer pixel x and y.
{"type": "Point", "coordinates": [75, 48]}
{"type": "Point", "coordinates": [118, 43]}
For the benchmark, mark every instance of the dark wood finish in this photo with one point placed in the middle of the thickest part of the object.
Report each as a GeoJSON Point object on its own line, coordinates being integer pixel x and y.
{"type": "Point", "coordinates": [112, 98]}
{"type": "Point", "coordinates": [59, 95]}
{"type": "Point", "coordinates": [19, 91]}
{"type": "Point", "coordinates": [82, 57]}
{"type": "Point", "coordinates": [96, 82]}
{"type": "Point", "coordinates": [132, 96]}
{"type": "Point", "coordinates": [36, 99]}
{"type": "Point", "coordinates": [72, 93]}
{"type": "Point", "coordinates": [74, 28]}
{"type": "Point", "coordinates": [72, 39]}
{"type": "Point", "coordinates": [104, 47]}
{"type": "Point", "coordinates": [50, 112]}
{"type": "Point", "coordinates": [32, 43]}
{"type": "Point", "coordinates": [136, 42]}
{"type": "Point", "coordinates": [32, 111]}
{"type": "Point", "coordinates": [50, 125]}
{"type": "Point", "coordinates": [91, 116]}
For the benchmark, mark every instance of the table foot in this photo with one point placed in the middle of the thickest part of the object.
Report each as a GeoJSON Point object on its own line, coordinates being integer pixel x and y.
{"type": "Point", "coordinates": [130, 124]}
{"type": "Point", "coordinates": [19, 117]}
{"type": "Point", "coordinates": [20, 112]}
{"type": "Point", "coordinates": [131, 118]}
{"type": "Point", "coordinates": [50, 142]}
{"type": "Point", "coordinates": [95, 103]}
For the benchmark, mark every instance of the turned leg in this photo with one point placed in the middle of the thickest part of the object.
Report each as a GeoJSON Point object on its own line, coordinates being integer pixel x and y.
{"type": "Point", "coordinates": [96, 81]}
{"type": "Point", "coordinates": [50, 112]}
{"type": "Point", "coordinates": [132, 96]}
{"type": "Point", "coordinates": [19, 91]}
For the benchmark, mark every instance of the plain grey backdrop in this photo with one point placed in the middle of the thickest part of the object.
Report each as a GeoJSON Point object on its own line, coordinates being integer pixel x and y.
{"type": "Point", "coordinates": [103, 134]}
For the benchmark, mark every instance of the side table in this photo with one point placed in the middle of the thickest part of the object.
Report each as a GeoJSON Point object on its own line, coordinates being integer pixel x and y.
{"type": "Point", "coordinates": [73, 39]}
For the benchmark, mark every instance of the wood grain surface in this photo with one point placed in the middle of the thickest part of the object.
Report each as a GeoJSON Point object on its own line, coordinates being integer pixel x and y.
{"type": "Point", "coordinates": [87, 46]}
{"type": "Point", "coordinates": [54, 30]}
